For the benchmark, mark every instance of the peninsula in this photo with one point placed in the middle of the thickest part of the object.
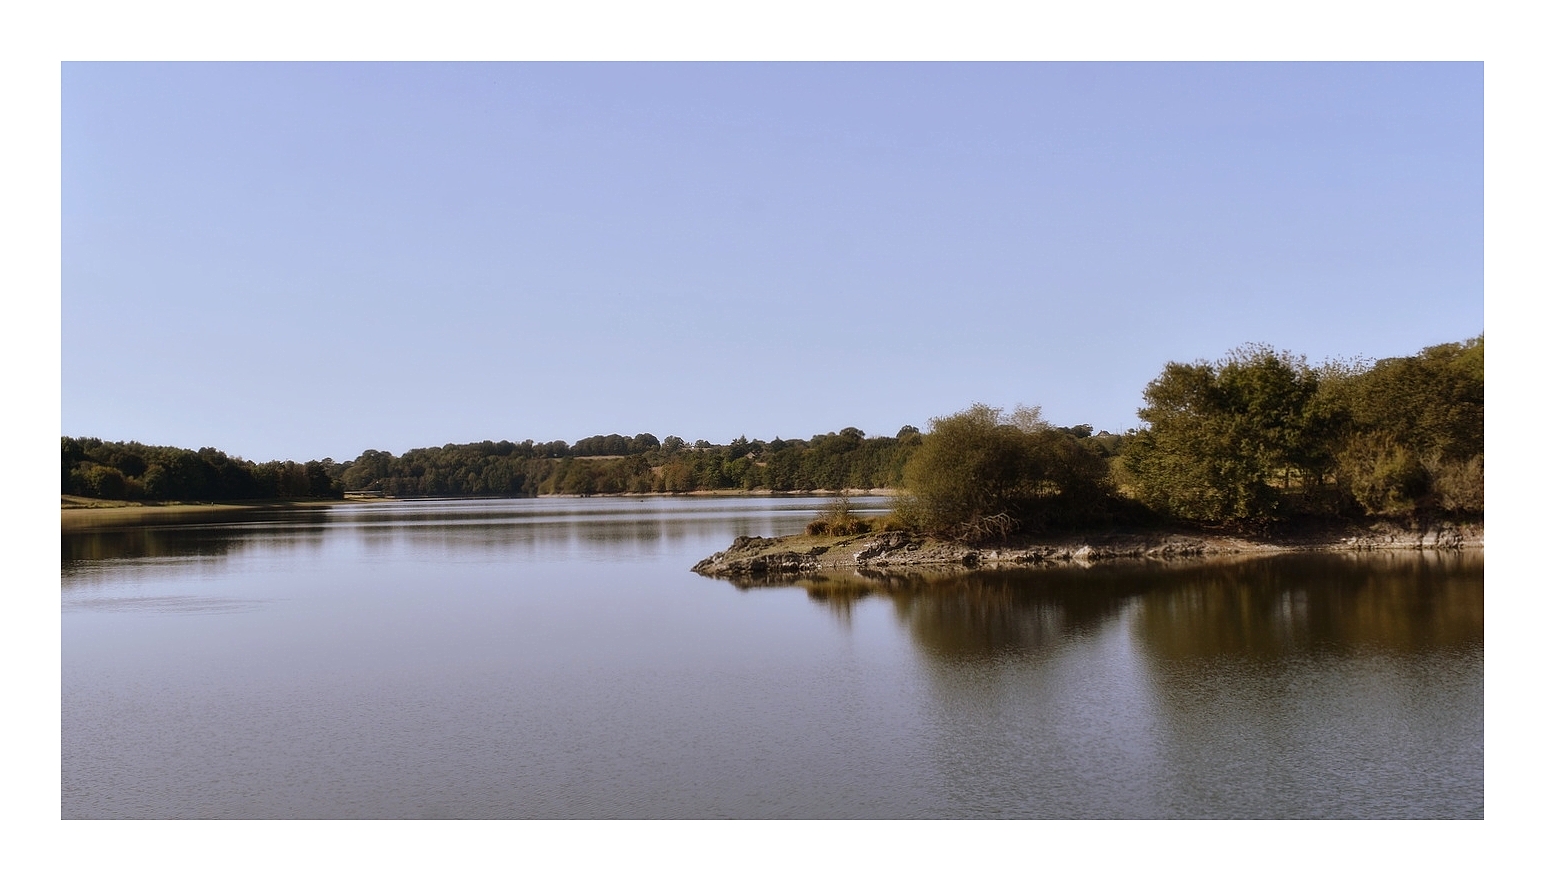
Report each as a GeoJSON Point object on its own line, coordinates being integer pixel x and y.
{"type": "Point", "coordinates": [902, 550]}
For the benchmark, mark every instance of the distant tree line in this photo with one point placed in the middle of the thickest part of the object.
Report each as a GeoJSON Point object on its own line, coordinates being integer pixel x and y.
{"type": "Point", "coordinates": [130, 470]}
{"type": "Point", "coordinates": [841, 460]}
{"type": "Point", "coordinates": [602, 464]}
{"type": "Point", "coordinates": [1257, 436]}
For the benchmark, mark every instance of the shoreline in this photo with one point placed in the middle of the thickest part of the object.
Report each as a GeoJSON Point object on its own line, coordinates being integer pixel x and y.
{"type": "Point", "coordinates": [78, 513]}
{"type": "Point", "coordinates": [83, 513]}
{"type": "Point", "coordinates": [900, 552]}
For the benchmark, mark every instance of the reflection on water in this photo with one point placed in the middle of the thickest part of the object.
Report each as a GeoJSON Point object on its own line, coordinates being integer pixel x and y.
{"type": "Point", "coordinates": [1292, 686]}
{"type": "Point", "coordinates": [1269, 610]}
{"type": "Point", "coordinates": [599, 528]}
{"type": "Point", "coordinates": [557, 658]}
{"type": "Point", "coordinates": [1265, 608]}
{"type": "Point", "coordinates": [607, 523]}
{"type": "Point", "coordinates": [977, 615]}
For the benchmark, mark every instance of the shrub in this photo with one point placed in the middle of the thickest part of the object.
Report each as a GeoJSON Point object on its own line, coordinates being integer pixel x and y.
{"type": "Point", "coordinates": [837, 518]}
{"type": "Point", "coordinates": [979, 475]}
{"type": "Point", "coordinates": [1461, 486]}
{"type": "Point", "coordinates": [1383, 475]}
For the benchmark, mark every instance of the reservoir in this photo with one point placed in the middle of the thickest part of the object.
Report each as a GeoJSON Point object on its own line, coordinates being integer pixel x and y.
{"type": "Point", "coordinates": [556, 658]}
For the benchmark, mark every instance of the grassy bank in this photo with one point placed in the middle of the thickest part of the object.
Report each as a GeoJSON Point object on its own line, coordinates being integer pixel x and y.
{"type": "Point", "coordinates": [81, 513]}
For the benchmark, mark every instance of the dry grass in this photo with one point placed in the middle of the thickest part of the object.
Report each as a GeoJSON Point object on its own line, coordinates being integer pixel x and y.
{"type": "Point", "coordinates": [837, 518]}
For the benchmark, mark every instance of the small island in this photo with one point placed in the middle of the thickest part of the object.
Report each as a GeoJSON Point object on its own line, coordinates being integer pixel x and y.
{"type": "Point", "coordinates": [1256, 453]}
{"type": "Point", "coordinates": [895, 550]}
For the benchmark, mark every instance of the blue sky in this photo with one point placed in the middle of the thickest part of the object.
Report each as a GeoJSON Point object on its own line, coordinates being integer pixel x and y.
{"type": "Point", "coordinates": [309, 260]}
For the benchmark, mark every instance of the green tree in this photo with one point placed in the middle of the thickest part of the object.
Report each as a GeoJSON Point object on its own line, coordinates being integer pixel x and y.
{"type": "Point", "coordinates": [368, 468]}
{"type": "Point", "coordinates": [978, 474]}
{"type": "Point", "coordinates": [1226, 441]}
{"type": "Point", "coordinates": [1414, 432]}
{"type": "Point", "coordinates": [98, 481]}
{"type": "Point", "coordinates": [71, 453]}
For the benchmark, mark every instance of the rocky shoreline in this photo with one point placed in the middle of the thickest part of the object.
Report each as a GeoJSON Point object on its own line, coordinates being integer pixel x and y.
{"type": "Point", "coordinates": [804, 554]}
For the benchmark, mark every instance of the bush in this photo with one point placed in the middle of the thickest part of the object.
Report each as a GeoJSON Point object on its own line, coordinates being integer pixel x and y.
{"type": "Point", "coordinates": [1461, 486]}
{"type": "Point", "coordinates": [837, 518]}
{"type": "Point", "coordinates": [1383, 475]}
{"type": "Point", "coordinates": [978, 475]}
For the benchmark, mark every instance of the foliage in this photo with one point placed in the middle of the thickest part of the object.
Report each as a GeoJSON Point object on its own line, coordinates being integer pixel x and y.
{"type": "Point", "coordinates": [1379, 472]}
{"type": "Point", "coordinates": [837, 518]}
{"type": "Point", "coordinates": [1227, 440]}
{"type": "Point", "coordinates": [1460, 487]}
{"type": "Point", "coordinates": [1414, 432]}
{"type": "Point", "coordinates": [1260, 435]}
{"type": "Point", "coordinates": [130, 470]}
{"type": "Point", "coordinates": [837, 461]}
{"type": "Point", "coordinates": [978, 474]}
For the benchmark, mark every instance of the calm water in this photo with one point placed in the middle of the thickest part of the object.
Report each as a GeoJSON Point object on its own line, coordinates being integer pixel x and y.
{"type": "Point", "coordinates": [557, 658]}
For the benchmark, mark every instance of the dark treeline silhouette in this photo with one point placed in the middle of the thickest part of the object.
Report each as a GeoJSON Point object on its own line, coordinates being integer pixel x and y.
{"type": "Point", "coordinates": [130, 470]}
{"type": "Point", "coordinates": [595, 465]}
{"type": "Point", "coordinates": [603, 464]}
{"type": "Point", "coordinates": [641, 464]}
{"type": "Point", "coordinates": [1255, 437]}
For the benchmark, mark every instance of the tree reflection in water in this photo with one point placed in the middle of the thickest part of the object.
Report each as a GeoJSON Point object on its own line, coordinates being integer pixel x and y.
{"type": "Point", "coordinates": [1263, 607]}
{"type": "Point", "coordinates": [1299, 685]}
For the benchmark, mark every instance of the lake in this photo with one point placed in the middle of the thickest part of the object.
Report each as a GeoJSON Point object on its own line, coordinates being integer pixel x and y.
{"type": "Point", "coordinates": [556, 658]}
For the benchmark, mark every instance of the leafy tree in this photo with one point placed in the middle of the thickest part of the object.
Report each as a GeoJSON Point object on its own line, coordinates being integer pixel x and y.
{"type": "Point", "coordinates": [1414, 432]}
{"type": "Point", "coordinates": [1225, 440]}
{"type": "Point", "coordinates": [1433, 402]}
{"type": "Point", "coordinates": [71, 453]}
{"type": "Point", "coordinates": [369, 467]}
{"type": "Point", "coordinates": [319, 482]}
{"type": "Point", "coordinates": [977, 473]}
{"type": "Point", "coordinates": [98, 481]}
{"type": "Point", "coordinates": [1380, 473]}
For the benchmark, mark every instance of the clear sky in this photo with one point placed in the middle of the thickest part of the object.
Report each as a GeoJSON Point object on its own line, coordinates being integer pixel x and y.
{"type": "Point", "coordinates": [308, 260]}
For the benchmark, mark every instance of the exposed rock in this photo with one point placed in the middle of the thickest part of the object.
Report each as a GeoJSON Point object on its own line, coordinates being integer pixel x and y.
{"type": "Point", "coordinates": [1433, 536]}
{"type": "Point", "coordinates": [796, 554]}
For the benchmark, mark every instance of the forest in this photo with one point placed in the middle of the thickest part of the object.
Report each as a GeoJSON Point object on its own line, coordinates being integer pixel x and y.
{"type": "Point", "coordinates": [1256, 436]}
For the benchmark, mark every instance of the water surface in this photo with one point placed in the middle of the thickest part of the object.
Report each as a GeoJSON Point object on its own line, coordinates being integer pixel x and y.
{"type": "Point", "coordinates": [556, 658]}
